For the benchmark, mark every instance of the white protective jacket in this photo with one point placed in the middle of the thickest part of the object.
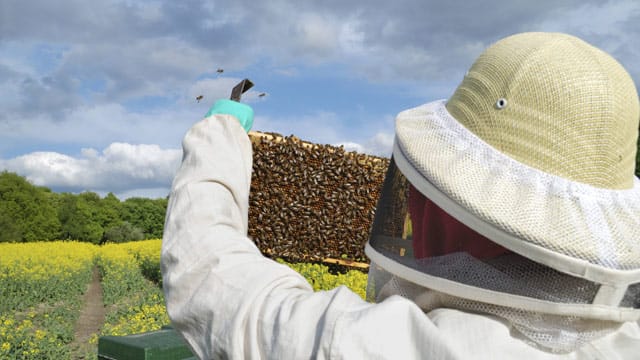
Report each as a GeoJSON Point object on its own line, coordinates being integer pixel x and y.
{"type": "Point", "coordinates": [228, 301]}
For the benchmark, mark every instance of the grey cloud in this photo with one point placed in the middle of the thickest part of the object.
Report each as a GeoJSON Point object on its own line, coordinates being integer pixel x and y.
{"type": "Point", "coordinates": [135, 50]}
{"type": "Point", "coordinates": [52, 95]}
{"type": "Point", "coordinates": [439, 39]}
{"type": "Point", "coordinates": [26, 96]}
{"type": "Point", "coordinates": [142, 48]}
{"type": "Point", "coordinates": [407, 40]}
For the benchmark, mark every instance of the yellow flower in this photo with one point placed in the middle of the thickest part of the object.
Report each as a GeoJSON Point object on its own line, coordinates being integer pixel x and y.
{"type": "Point", "coordinates": [5, 347]}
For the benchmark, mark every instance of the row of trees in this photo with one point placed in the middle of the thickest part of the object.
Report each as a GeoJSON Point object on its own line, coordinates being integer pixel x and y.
{"type": "Point", "coordinates": [34, 213]}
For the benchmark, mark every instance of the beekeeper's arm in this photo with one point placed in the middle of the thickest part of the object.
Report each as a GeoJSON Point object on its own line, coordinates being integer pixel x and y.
{"type": "Point", "coordinates": [228, 301]}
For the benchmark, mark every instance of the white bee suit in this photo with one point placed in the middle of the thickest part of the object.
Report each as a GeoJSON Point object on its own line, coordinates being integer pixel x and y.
{"type": "Point", "coordinates": [228, 301]}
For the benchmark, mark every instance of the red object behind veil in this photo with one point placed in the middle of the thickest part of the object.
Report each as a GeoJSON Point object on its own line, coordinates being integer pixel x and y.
{"type": "Point", "coordinates": [437, 233]}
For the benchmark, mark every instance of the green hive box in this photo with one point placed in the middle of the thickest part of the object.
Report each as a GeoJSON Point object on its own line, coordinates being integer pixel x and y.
{"type": "Point", "coordinates": [163, 344]}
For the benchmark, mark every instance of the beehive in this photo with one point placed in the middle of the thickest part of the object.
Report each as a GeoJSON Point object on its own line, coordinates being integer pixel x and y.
{"type": "Point", "coordinates": [312, 202]}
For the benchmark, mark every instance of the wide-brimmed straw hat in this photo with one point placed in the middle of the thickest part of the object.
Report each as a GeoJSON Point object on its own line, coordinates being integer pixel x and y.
{"type": "Point", "coordinates": [536, 150]}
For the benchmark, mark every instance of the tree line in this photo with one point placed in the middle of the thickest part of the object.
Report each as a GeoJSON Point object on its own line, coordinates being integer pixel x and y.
{"type": "Point", "coordinates": [35, 213]}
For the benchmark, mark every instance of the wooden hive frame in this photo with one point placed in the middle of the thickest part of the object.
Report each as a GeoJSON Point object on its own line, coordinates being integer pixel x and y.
{"type": "Point", "coordinates": [312, 202]}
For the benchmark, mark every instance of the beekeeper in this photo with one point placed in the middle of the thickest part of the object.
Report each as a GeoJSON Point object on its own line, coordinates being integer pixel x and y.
{"type": "Point", "coordinates": [524, 217]}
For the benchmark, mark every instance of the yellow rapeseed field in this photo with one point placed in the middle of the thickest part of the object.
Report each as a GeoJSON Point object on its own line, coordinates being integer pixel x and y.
{"type": "Point", "coordinates": [41, 287]}
{"type": "Point", "coordinates": [42, 284]}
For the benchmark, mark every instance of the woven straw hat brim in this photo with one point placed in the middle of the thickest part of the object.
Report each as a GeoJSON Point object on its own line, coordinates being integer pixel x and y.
{"type": "Point", "coordinates": [576, 228]}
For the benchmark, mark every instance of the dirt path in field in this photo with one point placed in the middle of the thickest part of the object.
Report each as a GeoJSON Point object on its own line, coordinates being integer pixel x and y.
{"type": "Point", "coordinates": [91, 318]}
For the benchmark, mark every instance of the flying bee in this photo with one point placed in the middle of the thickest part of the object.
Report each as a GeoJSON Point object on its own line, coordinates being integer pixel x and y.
{"type": "Point", "coordinates": [199, 97]}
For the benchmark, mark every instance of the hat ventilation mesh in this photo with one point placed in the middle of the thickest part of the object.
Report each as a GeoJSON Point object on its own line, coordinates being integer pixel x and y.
{"type": "Point", "coordinates": [572, 108]}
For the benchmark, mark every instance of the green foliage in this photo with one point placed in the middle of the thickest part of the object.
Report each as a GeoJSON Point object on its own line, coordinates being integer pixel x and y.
{"type": "Point", "coordinates": [109, 212]}
{"type": "Point", "coordinates": [77, 215]}
{"type": "Point", "coordinates": [150, 269]}
{"type": "Point", "coordinates": [31, 213]}
{"type": "Point", "coordinates": [123, 233]}
{"type": "Point", "coordinates": [146, 214]}
{"type": "Point", "coordinates": [27, 212]}
{"type": "Point", "coordinates": [10, 231]}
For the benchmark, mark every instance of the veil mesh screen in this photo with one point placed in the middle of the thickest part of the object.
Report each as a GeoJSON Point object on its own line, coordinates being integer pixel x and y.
{"type": "Point", "coordinates": [510, 273]}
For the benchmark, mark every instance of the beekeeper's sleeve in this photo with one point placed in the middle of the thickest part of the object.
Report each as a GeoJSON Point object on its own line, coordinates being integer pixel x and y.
{"type": "Point", "coordinates": [228, 301]}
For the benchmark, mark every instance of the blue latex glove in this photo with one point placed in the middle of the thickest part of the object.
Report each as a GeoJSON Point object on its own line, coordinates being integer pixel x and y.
{"type": "Point", "coordinates": [243, 112]}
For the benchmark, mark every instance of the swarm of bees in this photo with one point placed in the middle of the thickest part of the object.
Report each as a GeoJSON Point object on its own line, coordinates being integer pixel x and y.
{"type": "Point", "coordinates": [309, 202]}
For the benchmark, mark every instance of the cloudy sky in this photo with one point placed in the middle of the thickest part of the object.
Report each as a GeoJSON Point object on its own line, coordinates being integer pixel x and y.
{"type": "Point", "coordinates": [97, 95]}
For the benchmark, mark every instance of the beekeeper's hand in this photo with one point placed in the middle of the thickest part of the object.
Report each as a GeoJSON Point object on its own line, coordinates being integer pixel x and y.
{"type": "Point", "coordinates": [242, 112]}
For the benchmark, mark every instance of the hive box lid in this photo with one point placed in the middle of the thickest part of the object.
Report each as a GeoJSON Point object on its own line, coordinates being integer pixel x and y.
{"type": "Point", "coordinates": [163, 344]}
